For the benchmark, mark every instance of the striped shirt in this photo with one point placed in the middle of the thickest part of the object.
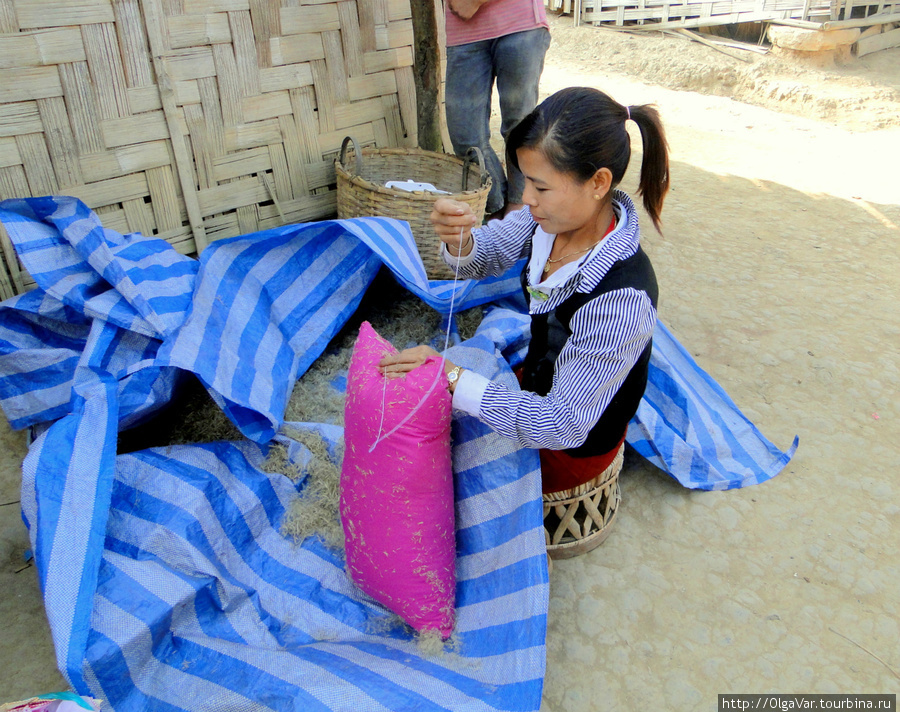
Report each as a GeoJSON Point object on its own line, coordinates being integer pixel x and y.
{"type": "Point", "coordinates": [496, 18]}
{"type": "Point", "coordinates": [609, 333]}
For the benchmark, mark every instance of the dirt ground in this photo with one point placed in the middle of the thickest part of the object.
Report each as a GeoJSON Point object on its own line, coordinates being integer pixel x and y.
{"type": "Point", "coordinates": [780, 272]}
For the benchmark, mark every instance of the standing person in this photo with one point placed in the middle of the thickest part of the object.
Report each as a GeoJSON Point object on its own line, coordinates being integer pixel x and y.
{"type": "Point", "coordinates": [488, 40]}
{"type": "Point", "coordinates": [591, 291]}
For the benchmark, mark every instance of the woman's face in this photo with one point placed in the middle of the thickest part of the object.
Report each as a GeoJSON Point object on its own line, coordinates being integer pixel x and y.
{"type": "Point", "coordinates": [559, 203]}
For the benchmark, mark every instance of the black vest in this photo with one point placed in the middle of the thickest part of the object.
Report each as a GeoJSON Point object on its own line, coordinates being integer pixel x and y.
{"type": "Point", "coordinates": [550, 331]}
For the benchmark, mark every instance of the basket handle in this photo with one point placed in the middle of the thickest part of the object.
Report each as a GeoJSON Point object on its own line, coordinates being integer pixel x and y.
{"type": "Point", "coordinates": [347, 142]}
{"type": "Point", "coordinates": [467, 160]}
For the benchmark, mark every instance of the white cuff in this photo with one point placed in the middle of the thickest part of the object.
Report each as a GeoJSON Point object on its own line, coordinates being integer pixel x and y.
{"type": "Point", "coordinates": [451, 260]}
{"type": "Point", "coordinates": [469, 391]}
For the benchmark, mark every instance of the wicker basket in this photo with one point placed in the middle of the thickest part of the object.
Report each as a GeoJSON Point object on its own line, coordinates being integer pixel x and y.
{"type": "Point", "coordinates": [579, 519]}
{"type": "Point", "coordinates": [361, 191]}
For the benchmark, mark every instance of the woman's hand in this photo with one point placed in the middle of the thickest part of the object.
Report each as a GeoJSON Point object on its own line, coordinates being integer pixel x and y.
{"type": "Point", "coordinates": [398, 365]}
{"type": "Point", "coordinates": [453, 221]}
{"type": "Point", "coordinates": [465, 9]}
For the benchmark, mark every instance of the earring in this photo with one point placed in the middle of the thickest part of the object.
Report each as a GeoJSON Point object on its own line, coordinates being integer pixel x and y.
{"type": "Point", "coordinates": [596, 197]}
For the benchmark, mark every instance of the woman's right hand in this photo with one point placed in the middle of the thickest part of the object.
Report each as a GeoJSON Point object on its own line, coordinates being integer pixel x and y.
{"type": "Point", "coordinates": [453, 221]}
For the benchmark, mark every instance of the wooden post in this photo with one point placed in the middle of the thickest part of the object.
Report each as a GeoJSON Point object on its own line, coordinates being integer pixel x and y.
{"type": "Point", "coordinates": [427, 71]}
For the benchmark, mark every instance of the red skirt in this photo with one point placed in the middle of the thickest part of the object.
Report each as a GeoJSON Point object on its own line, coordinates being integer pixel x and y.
{"type": "Point", "coordinates": [560, 471]}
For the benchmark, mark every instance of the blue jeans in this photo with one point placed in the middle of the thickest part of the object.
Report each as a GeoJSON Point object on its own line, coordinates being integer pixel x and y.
{"type": "Point", "coordinates": [515, 61]}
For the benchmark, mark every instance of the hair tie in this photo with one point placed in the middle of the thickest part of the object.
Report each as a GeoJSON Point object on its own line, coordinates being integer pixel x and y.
{"type": "Point", "coordinates": [627, 113]}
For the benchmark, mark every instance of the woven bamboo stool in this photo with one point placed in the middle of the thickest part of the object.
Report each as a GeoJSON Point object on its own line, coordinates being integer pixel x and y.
{"type": "Point", "coordinates": [579, 519]}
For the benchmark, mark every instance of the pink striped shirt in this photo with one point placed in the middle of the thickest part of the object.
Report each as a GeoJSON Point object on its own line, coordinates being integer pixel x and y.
{"type": "Point", "coordinates": [495, 18]}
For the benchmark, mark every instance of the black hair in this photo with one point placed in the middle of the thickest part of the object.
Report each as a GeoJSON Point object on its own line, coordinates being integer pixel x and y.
{"type": "Point", "coordinates": [580, 130]}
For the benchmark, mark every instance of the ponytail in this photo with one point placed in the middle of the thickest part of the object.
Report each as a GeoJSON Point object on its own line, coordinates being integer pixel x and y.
{"type": "Point", "coordinates": [654, 181]}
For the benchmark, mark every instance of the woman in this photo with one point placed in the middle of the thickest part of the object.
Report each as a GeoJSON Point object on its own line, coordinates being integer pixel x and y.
{"type": "Point", "coordinates": [591, 291]}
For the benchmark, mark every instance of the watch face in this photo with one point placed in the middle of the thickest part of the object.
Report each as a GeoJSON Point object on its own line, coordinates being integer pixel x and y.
{"type": "Point", "coordinates": [453, 375]}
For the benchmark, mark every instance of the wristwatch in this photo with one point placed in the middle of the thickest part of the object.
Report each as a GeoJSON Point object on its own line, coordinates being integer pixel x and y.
{"type": "Point", "coordinates": [453, 376]}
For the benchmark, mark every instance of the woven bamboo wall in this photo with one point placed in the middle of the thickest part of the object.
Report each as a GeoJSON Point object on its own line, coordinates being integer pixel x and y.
{"type": "Point", "coordinates": [196, 119]}
{"type": "Point", "coordinates": [80, 115]}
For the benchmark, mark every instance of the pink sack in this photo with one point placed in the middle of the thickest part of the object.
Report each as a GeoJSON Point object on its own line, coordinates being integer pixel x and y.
{"type": "Point", "coordinates": [397, 505]}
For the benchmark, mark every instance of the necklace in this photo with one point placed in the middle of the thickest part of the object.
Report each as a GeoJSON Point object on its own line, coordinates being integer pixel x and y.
{"type": "Point", "coordinates": [571, 254]}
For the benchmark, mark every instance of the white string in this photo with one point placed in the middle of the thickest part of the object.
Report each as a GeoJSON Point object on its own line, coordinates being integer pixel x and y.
{"type": "Point", "coordinates": [438, 374]}
{"type": "Point", "coordinates": [383, 401]}
{"type": "Point", "coordinates": [453, 293]}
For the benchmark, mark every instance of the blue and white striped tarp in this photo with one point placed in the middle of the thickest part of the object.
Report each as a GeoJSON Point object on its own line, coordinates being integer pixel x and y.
{"type": "Point", "coordinates": [166, 581]}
